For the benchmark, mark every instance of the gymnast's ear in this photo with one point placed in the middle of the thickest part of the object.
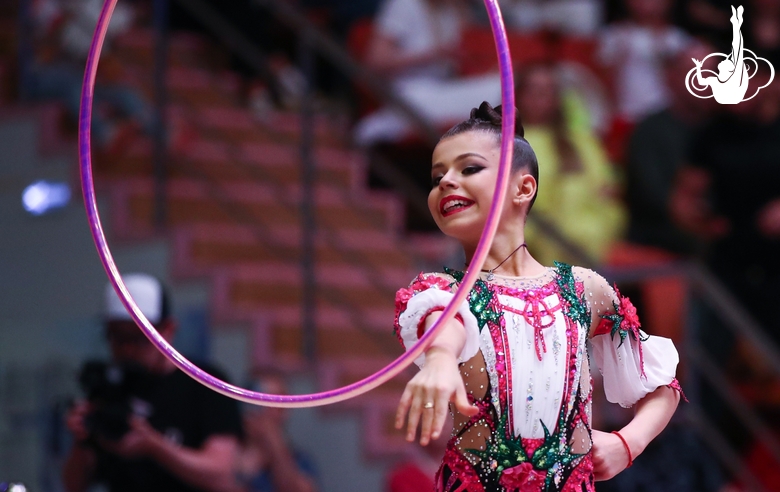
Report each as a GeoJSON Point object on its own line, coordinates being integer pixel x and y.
{"type": "Point", "coordinates": [523, 188]}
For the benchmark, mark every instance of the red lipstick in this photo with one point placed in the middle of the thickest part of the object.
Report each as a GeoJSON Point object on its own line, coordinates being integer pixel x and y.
{"type": "Point", "coordinates": [453, 204]}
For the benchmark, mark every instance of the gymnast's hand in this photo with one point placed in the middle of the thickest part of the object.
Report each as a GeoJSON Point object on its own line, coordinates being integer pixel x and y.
{"type": "Point", "coordinates": [427, 396]}
{"type": "Point", "coordinates": [609, 455]}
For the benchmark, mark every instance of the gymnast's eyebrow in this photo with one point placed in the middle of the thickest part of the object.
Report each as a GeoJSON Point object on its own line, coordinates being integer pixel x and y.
{"type": "Point", "coordinates": [460, 158]}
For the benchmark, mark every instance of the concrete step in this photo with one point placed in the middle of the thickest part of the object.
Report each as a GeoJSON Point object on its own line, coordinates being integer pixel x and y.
{"type": "Point", "coordinates": [336, 345]}
{"type": "Point", "coordinates": [218, 160]}
{"type": "Point", "coordinates": [347, 296]}
{"type": "Point", "coordinates": [202, 247]}
{"type": "Point", "coordinates": [247, 295]}
{"type": "Point", "coordinates": [240, 125]}
{"type": "Point", "coordinates": [137, 46]}
{"type": "Point", "coordinates": [192, 201]}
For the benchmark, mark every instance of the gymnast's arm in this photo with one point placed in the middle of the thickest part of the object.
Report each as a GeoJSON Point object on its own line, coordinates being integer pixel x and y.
{"type": "Point", "coordinates": [650, 388]}
{"type": "Point", "coordinates": [653, 413]}
{"type": "Point", "coordinates": [439, 381]}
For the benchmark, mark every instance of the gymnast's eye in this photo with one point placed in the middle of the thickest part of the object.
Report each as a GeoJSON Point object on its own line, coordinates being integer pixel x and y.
{"type": "Point", "coordinates": [473, 169]}
{"type": "Point", "coordinates": [435, 180]}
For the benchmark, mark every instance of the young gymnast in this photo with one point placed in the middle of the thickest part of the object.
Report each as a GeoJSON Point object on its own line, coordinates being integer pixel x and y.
{"type": "Point", "coordinates": [514, 362]}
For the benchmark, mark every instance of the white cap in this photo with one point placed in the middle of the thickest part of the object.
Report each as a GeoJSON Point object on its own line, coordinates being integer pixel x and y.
{"type": "Point", "coordinates": [145, 290]}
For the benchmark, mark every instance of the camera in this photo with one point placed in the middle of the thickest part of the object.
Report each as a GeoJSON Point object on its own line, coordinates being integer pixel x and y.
{"type": "Point", "coordinates": [115, 392]}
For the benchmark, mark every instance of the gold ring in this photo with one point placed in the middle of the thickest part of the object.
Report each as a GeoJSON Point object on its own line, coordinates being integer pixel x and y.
{"type": "Point", "coordinates": [428, 405]}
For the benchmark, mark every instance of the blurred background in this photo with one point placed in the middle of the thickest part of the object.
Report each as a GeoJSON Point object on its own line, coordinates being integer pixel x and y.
{"type": "Point", "coordinates": [269, 161]}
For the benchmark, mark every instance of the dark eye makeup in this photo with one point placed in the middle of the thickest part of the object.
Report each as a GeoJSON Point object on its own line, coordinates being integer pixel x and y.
{"type": "Point", "coordinates": [472, 169]}
{"type": "Point", "coordinates": [466, 171]}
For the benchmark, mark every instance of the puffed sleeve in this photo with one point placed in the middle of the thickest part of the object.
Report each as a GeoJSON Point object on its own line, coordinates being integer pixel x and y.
{"type": "Point", "coordinates": [427, 294]}
{"type": "Point", "coordinates": [632, 363]}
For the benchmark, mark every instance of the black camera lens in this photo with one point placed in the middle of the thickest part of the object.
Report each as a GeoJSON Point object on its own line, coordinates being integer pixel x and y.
{"type": "Point", "coordinates": [111, 390]}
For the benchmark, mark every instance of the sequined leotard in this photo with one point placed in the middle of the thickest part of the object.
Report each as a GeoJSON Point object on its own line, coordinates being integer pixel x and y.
{"type": "Point", "coordinates": [526, 368]}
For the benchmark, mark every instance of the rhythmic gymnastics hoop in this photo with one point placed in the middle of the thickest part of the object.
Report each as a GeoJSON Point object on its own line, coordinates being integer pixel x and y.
{"type": "Point", "coordinates": [326, 397]}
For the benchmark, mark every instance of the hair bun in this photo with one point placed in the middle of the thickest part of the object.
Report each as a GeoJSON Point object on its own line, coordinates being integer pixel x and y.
{"type": "Point", "coordinates": [487, 113]}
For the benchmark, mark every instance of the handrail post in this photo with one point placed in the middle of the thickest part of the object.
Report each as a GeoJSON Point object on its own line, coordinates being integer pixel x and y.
{"type": "Point", "coordinates": [160, 156]}
{"type": "Point", "coordinates": [308, 204]}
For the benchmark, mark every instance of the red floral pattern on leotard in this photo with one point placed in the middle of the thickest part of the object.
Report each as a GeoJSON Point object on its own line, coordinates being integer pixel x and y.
{"type": "Point", "coordinates": [422, 283]}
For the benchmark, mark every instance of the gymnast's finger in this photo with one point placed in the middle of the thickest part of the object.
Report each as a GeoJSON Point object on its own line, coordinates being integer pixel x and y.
{"type": "Point", "coordinates": [439, 418]}
{"type": "Point", "coordinates": [403, 407]}
{"type": "Point", "coordinates": [414, 416]}
{"type": "Point", "coordinates": [462, 402]}
{"type": "Point", "coordinates": [432, 401]}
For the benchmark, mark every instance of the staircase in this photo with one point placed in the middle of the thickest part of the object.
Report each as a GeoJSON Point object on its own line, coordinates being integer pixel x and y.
{"type": "Point", "coordinates": [233, 203]}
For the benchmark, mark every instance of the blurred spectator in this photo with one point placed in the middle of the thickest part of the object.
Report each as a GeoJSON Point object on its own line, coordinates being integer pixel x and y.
{"type": "Point", "coordinates": [577, 186]}
{"type": "Point", "coordinates": [147, 426]}
{"type": "Point", "coordinates": [571, 17]}
{"type": "Point", "coordinates": [656, 152]}
{"type": "Point", "coordinates": [633, 52]}
{"type": "Point", "coordinates": [709, 18]}
{"type": "Point", "coordinates": [762, 29]}
{"type": "Point", "coordinates": [278, 81]}
{"type": "Point", "coordinates": [267, 461]}
{"type": "Point", "coordinates": [63, 32]}
{"type": "Point", "coordinates": [345, 14]}
{"type": "Point", "coordinates": [729, 195]}
{"type": "Point", "coordinates": [415, 46]}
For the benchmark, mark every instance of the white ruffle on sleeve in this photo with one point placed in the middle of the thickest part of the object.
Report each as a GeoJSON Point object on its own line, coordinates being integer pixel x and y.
{"type": "Point", "coordinates": [624, 382]}
{"type": "Point", "coordinates": [422, 304]}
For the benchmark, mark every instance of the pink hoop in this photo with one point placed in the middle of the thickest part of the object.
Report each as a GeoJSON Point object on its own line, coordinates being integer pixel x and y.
{"type": "Point", "coordinates": [335, 395]}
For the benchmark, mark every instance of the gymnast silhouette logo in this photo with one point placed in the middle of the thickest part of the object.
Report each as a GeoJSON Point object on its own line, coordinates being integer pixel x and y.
{"type": "Point", "coordinates": [730, 84]}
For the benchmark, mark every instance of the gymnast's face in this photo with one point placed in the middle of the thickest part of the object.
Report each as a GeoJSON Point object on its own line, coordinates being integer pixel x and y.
{"type": "Point", "coordinates": [463, 177]}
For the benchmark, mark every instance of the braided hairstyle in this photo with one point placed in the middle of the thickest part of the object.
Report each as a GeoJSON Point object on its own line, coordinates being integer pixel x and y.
{"type": "Point", "coordinates": [487, 119]}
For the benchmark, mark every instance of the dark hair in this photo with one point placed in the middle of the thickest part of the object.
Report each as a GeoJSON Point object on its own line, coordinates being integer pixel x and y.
{"type": "Point", "coordinates": [487, 119]}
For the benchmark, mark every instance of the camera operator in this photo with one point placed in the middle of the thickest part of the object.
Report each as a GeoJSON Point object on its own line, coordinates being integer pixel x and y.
{"type": "Point", "coordinates": [146, 426]}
